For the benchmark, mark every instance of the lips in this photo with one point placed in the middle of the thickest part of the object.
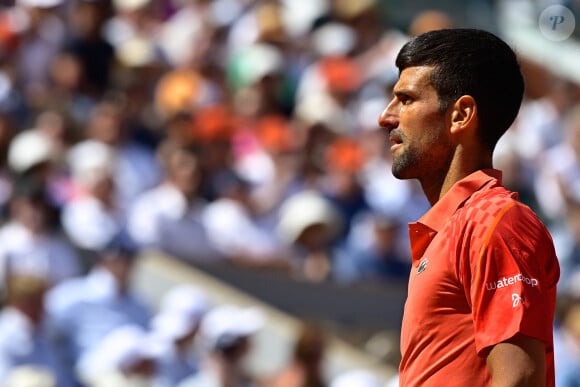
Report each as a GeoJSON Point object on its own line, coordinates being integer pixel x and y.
{"type": "Point", "coordinates": [395, 140]}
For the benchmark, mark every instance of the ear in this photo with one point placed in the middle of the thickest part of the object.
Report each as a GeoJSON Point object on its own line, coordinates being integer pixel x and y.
{"type": "Point", "coordinates": [464, 115]}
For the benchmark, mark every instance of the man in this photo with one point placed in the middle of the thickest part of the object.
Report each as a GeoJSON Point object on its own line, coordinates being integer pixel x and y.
{"type": "Point", "coordinates": [227, 332]}
{"type": "Point", "coordinates": [482, 288]}
{"type": "Point", "coordinates": [84, 310]}
{"type": "Point", "coordinates": [25, 337]}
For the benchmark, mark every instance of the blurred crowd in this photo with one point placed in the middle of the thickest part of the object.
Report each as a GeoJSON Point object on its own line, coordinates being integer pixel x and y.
{"type": "Point", "coordinates": [240, 132]}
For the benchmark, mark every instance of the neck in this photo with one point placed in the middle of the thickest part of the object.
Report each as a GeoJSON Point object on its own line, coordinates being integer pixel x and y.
{"type": "Point", "coordinates": [463, 164]}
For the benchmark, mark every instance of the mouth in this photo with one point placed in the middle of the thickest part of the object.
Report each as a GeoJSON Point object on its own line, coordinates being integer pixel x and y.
{"type": "Point", "coordinates": [395, 140]}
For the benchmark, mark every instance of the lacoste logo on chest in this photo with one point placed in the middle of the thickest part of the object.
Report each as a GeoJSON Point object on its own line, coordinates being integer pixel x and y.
{"type": "Point", "coordinates": [422, 266]}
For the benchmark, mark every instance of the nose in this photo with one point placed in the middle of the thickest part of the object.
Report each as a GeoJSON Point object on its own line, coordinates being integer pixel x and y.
{"type": "Point", "coordinates": [389, 118]}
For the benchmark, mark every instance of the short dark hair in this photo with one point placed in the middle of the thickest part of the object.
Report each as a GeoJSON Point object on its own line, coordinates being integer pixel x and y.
{"type": "Point", "coordinates": [471, 62]}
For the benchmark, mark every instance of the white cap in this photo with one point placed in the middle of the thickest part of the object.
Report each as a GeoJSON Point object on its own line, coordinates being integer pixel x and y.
{"type": "Point", "coordinates": [120, 349]}
{"type": "Point", "coordinates": [172, 327]}
{"type": "Point", "coordinates": [135, 52]}
{"type": "Point", "coordinates": [30, 376]}
{"type": "Point", "coordinates": [181, 311]}
{"type": "Point", "coordinates": [40, 3]}
{"type": "Point", "coordinates": [333, 39]}
{"type": "Point", "coordinates": [185, 300]}
{"type": "Point", "coordinates": [356, 378]}
{"type": "Point", "coordinates": [229, 322]}
{"type": "Point", "coordinates": [129, 5]}
{"type": "Point", "coordinates": [90, 161]}
{"type": "Point", "coordinates": [305, 209]}
{"type": "Point", "coordinates": [29, 148]}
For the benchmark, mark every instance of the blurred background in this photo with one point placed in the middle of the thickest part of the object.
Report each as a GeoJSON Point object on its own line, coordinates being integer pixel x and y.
{"type": "Point", "coordinates": [197, 190]}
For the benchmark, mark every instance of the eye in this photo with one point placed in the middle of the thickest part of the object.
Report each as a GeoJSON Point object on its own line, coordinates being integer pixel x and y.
{"type": "Point", "coordinates": [404, 99]}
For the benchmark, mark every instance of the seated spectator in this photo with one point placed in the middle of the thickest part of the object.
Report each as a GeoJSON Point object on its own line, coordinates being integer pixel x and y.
{"type": "Point", "coordinates": [84, 310]}
{"type": "Point", "coordinates": [135, 167]}
{"type": "Point", "coordinates": [372, 252]}
{"type": "Point", "coordinates": [227, 332]}
{"type": "Point", "coordinates": [558, 178]}
{"type": "Point", "coordinates": [125, 357]}
{"type": "Point", "coordinates": [306, 366]}
{"type": "Point", "coordinates": [240, 239]}
{"type": "Point", "coordinates": [342, 183]}
{"type": "Point", "coordinates": [92, 216]}
{"type": "Point", "coordinates": [25, 340]}
{"type": "Point", "coordinates": [271, 161]}
{"type": "Point", "coordinates": [567, 242]}
{"type": "Point", "coordinates": [33, 156]}
{"type": "Point", "coordinates": [309, 224]}
{"type": "Point", "coordinates": [169, 217]}
{"type": "Point", "coordinates": [567, 342]}
{"type": "Point", "coordinates": [175, 329]}
{"type": "Point", "coordinates": [30, 243]}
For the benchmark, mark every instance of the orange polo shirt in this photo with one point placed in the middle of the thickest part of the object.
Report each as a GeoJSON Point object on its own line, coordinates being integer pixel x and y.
{"type": "Point", "coordinates": [484, 269]}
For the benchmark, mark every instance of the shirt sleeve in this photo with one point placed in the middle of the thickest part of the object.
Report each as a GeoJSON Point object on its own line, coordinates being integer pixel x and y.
{"type": "Point", "coordinates": [513, 281]}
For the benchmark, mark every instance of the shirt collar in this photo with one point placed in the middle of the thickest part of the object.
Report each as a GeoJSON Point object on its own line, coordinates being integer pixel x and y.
{"type": "Point", "coordinates": [462, 190]}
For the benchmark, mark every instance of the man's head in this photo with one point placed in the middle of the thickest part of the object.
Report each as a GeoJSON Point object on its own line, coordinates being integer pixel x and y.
{"type": "Point", "coordinates": [475, 63]}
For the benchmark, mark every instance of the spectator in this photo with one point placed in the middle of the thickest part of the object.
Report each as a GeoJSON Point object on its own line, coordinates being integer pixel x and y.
{"type": "Point", "coordinates": [309, 224]}
{"type": "Point", "coordinates": [567, 242]}
{"type": "Point", "coordinates": [169, 217]}
{"type": "Point", "coordinates": [241, 239]}
{"type": "Point", "coordinates": [341, 184]}
{"type": "Point", "coordinates": [273, 166]}
{"type": "Point", "coordinates": [41, 34]}
{"type": "Point", "coordinates": [567, 342]}
{"type": "Point", "coordinates": [136, 168]}
{"type": "Point", "coordinates": [333, 103]}
{"type": "Point", "coordinates": [67, 96]}
{"type": "Point", "coordinates": [25, 340]}
{"type": "Point", "coordinates": [92, 217]}
{"type": "Point", "coordinates": [84, 310]}
{"type": "Point", "coordinates": [130, 30]}
{"type": "Point", "coordinates": [372, 253]}
{"type": "Point", "coordinates": [212, 130]}
{"type": "Point", "coordinates": [559, 177]}
{"type": "Point", "coordinates": [227, 332]}
{"type": "Point", "coordinates": [125, 357]}
{"type": "Point", "coordinates": [175, 328]}
{"type": "Point", "coordinates": [31, 154]}
{"type": "Point", "coordinates": [95, 55]}
{"type": "Point", "coordinates": [306, 366]}
{"type": "Point", "coordinates": [30, 243]}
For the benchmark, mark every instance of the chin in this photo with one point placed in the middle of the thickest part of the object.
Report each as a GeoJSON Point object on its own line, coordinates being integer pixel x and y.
{"type": "Point", "coordinates": [405, 166]}
{"type": "Point", "coordinates": [402, 176]}
{"type": "Point", "coordinates": [402, 171]}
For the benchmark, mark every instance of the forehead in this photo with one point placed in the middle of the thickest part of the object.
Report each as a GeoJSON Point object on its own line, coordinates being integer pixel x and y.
{"type": "Point", "coordinates": [417, 78]}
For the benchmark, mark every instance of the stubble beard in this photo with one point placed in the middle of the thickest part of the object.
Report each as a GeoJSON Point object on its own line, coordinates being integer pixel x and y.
{"type": "Point", "coordinates": [403, 165]}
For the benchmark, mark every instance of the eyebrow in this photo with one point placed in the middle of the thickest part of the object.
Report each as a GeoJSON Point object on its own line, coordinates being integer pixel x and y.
{"type": "Point", "coordinates": [403, 92]}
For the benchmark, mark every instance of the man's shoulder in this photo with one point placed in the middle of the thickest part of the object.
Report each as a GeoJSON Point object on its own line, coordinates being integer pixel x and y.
{"type": "Point", "coordinates": [502, 204]}
{"type": "Point", "coordinates": [498, 211]}
{"type": "Point", "coordinates": [486, 206]}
